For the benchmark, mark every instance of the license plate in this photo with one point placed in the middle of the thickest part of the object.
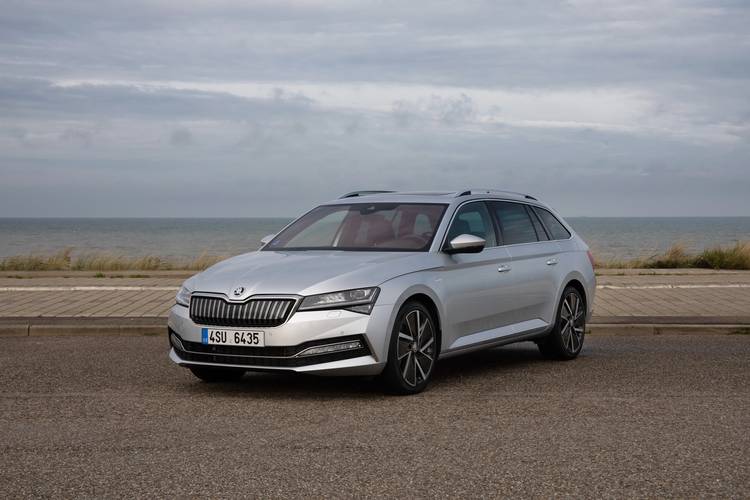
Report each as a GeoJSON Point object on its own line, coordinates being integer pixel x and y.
{"type": "Point", "coordinates": [220, 336]}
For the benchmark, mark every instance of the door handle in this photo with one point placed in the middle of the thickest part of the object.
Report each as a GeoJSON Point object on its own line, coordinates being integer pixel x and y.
{"type": "Point", "coordinates": [503, 268]}
{"type": "Point", "coordinates": [551, 262]}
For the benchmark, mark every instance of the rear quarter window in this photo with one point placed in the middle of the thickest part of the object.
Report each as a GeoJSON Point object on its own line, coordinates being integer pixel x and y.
{"type": "Point", "coordinates": [555, 228]}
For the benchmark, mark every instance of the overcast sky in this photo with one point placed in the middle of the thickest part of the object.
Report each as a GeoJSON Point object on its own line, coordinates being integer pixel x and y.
{"type": "Point", "coordinates": [241, 108]}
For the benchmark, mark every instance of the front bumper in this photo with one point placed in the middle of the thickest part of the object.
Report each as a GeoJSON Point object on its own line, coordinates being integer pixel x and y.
{"type": "Point", "coordinates": [284, 344]}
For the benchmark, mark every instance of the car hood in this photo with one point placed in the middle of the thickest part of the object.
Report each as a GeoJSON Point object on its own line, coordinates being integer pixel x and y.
{"type": "Point", "coordinates": [306, 272]}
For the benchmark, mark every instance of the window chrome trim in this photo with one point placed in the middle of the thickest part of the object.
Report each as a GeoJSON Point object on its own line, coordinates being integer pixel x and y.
{"type": "Point", "coordinates": [458, 207]}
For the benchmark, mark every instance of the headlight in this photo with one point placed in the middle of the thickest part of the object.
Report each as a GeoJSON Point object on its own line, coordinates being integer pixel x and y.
{"type": "Point", "coordinates": [360, 300]}
{"type": "Point", "coordinates": [183, 296]}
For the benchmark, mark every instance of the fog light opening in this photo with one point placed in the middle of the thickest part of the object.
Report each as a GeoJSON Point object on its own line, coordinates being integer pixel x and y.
{"type": "Point", "coordinates": [175, 341]}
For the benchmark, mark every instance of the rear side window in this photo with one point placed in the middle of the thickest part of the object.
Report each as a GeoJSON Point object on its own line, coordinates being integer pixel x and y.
{"type": "Point", "coordinates": [515, 224]}
{"type": "Point", "coordinates": [556, 230]}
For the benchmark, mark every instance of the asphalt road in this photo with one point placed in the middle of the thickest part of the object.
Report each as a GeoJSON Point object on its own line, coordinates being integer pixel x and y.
{"type": "Point", "coordinates": [641, 416]}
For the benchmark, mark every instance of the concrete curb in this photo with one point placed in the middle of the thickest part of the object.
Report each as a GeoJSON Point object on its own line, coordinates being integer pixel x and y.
{"type": "Point", "coordinates": [94, 330]}
{"type": "Point", "coordinates": [134, 327]}
{"type": "Point", "coordinates": [67, 327]}
{"type": "Point", "coordinates": [627, 330]}
{"type": "Point", "coordinates": [670, 320]}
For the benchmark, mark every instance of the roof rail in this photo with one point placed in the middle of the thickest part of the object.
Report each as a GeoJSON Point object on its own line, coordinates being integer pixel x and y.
{"type": "Point", "coordinates": [498, 191]}
{"type": "Point", "coordinates": [354, 194]}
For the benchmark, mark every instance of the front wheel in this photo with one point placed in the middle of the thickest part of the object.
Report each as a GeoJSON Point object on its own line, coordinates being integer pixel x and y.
{"type": "Point", "coordinates": [413, 350]}
{"type": "Point", "coordinates": [566, 339]}
{"type": "Point", "coordinates": [212, 374]}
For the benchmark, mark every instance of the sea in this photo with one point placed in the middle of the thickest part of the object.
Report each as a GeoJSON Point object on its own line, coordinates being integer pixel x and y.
{"type": "Point", "coordinates": [609, 237]}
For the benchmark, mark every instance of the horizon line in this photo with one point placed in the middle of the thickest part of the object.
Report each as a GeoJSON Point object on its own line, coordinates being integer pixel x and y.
{"type": "Point", "coordinates": [296, 216]}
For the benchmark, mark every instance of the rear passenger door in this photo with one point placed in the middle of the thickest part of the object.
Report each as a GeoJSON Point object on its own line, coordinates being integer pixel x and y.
{"type": "Point", "coordinates": [533, 259]}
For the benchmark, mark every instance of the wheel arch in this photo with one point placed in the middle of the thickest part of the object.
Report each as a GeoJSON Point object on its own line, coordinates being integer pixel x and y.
{"type": "Point", "coordinates": [427, 297]}
{"type": "Point", "coordinates": [579, 282]}
{"type": "Point", "coordinates": [431, 306]}
{"type": "Point", "coordinates": [575, 283]}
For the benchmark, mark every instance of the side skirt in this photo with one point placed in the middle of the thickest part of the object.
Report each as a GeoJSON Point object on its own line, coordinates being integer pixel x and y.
{"type": "Point", "coordinates": [532, 334]}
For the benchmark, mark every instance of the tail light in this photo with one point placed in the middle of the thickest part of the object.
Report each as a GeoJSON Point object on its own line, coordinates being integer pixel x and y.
{"type": "Point", "coordinates": [591, 258]}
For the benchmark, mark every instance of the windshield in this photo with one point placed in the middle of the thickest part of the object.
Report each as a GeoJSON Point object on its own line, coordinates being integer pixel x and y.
{"type": "Point", "coordinates": [404, 227]}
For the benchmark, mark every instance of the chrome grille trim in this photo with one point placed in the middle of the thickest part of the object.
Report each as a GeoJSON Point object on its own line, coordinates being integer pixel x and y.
{"type": "Point", "coordinates": [258, 311]}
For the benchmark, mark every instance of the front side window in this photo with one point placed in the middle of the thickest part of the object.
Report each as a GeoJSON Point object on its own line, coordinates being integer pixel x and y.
{"type": "Point", "coordinates": [556, 229]}
{"type": "Point", "coordinates": [473, 218]}
{"type": "Point", "coordinates": [515, 224]}
{"type": "Point", "coordinates": [363, 226]}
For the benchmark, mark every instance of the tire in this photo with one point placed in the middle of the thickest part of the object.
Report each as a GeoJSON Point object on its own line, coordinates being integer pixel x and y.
{"type": "Point", "coordinates": [212, 374]}
{"type": "Point", "coordinates": [565, 340]}
{"type": "Point", "coordinates": [413, 350]}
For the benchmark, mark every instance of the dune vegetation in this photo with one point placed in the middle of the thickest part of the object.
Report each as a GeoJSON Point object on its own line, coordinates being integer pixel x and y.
{"type": "Point", "coordinates": [732, 257]}
{"type": "Point", "coordinates": [735, 257]}
{"type": "Point", "coordinates": [66, 260]}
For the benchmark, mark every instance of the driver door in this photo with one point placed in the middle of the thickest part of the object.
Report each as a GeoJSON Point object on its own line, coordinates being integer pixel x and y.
{"type": "Point", "coordinates": [473, 285]}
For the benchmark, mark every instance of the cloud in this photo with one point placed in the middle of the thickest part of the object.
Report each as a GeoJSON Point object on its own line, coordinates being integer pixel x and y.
{"type": "Point", "coordinates": [77, 136]}
{"type": "Point", "coordinates": [449, 111]}
{"type": "Point", "coordinates": [181, 137]}
{"type": "Point", "coordinates": [18, 133]}
{"type": "Point", "coordinates": [38, 98]}
{"type": "Point", "coordinates": [270, 106]}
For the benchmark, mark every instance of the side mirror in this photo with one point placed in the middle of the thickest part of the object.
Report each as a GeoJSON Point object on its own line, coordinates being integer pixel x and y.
{"type": "Point", "coordinates": [465, 243]}
{"type": "Point", "coordinates": [267, 239]}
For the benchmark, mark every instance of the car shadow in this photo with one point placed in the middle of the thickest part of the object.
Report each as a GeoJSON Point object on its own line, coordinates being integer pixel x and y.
{"type": "Point", "coordinates": [486, 362]}
{"type": "Point", "coordinates": [289, 385]}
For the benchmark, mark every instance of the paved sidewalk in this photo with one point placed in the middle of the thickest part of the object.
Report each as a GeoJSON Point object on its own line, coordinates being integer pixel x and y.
{"type": "Point", "coordinates": [624, 297]}
{"type": "Point", "coordinates": [679, 296]}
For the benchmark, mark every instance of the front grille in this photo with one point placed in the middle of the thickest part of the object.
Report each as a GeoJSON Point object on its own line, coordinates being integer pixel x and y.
{"type": "Point", "coordinates": [271, 356]}
{"type": "Point", "coordinates": [216, 311]}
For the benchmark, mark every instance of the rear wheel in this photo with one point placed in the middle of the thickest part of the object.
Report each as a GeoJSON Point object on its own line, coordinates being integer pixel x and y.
{"type": "Point", "coordinates": [212, 374]}
{"type": "Point", "coordinates": [566, 339]}
{"type": "Point", "coordinates": [413, 350]}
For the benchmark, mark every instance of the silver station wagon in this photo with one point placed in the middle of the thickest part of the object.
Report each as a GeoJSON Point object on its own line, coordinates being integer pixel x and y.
{"type": "Point", "coordinates": [388, 283]}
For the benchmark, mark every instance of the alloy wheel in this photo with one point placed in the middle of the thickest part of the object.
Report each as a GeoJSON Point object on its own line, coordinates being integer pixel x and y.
{"type": "Point", "coordinates": [572, 322]}
{"type": "Point", "coordinates": [416, 347]}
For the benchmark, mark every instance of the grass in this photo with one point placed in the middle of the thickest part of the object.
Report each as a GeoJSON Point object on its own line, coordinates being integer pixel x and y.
{"type": "Point", "coordinates": [65, 260]}
{"type": "Point", "coordinates": [735, 257]}
{"type": "Point", "coordinates": [732, 257]}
